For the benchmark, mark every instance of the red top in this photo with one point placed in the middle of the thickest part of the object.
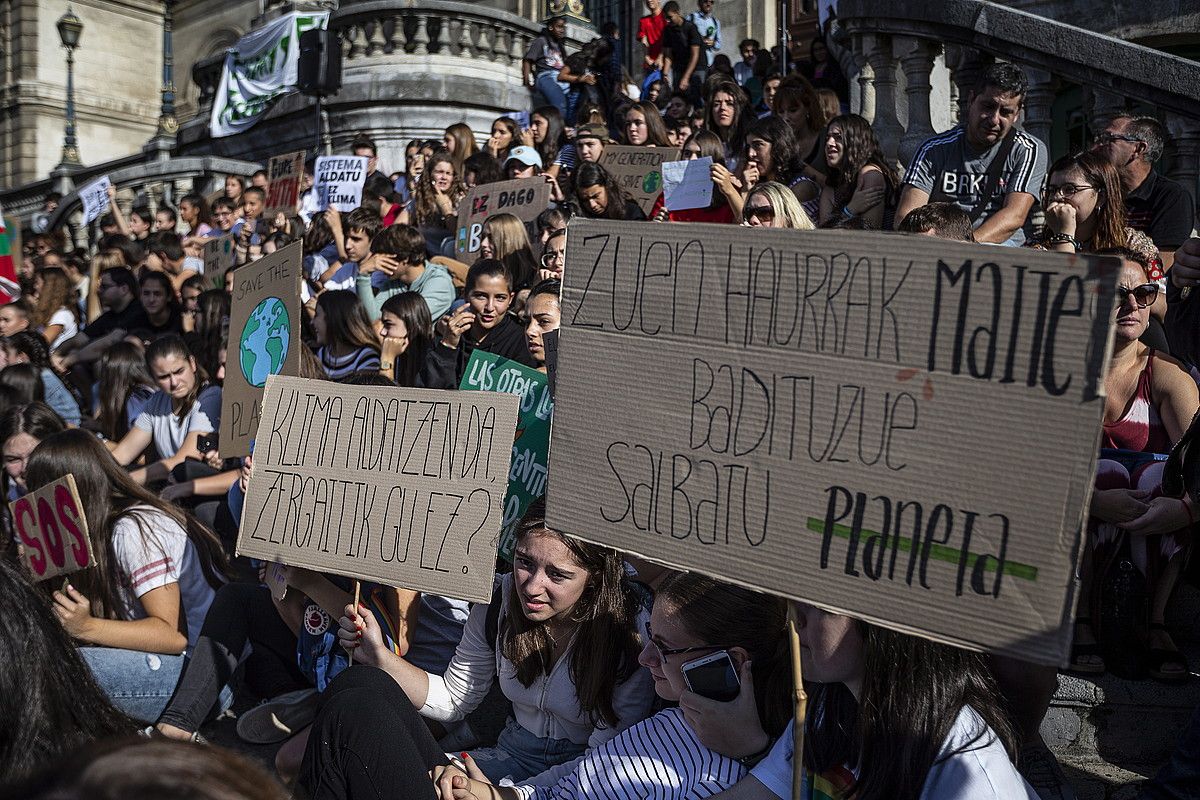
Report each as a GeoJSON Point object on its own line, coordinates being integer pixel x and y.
{"type": "Point", "coordinates": [1140, 429]}
{"type": "Point", "coordinates": [651, 29]}
{"type": "Point", "coordinates": [721, 214]}
{"type": "Point", "coordinates": [389, 219]}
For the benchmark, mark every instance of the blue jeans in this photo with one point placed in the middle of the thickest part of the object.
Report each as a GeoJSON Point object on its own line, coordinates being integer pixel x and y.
{"type": "Point", "coordinates": [548, 85]}
{"type": "Point", "coordinates": [140, 684]}
{"type": "Point", "coordinates": [520, 755]}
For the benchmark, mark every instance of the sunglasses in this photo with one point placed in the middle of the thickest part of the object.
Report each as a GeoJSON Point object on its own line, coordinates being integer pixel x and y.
{"type": "Point", "coordinates": [674, 651]}
{"type": "Point", "coordinates": [1143, 295]}
{"type": "Point", "coordinates": [764, 214]}
{"type": "Point", "coordinates": [1109, 138]}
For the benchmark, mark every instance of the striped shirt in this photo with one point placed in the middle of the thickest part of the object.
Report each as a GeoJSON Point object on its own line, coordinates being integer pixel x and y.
{"type": "Point", "coordinates": [364, 359]}
{"type": "Point", "coordinates": [659, 757]}
{"type": "Point", "coordinates": [948, 169]}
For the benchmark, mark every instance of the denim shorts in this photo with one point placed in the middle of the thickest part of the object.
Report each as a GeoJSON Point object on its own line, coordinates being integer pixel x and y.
{"type": "Point", "coordinates": [140, 684]}
{"type": "Point", "coordinates": [520, 755]}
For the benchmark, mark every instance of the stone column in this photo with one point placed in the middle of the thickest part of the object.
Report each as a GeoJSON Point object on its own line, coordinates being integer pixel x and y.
{"type": "Point", "coordinates": [888, 129]}
{"type": "Point", "coordinates": [1039, 104]}
{"type": "Point", "coordinates": [965, 64]}
{"type": "Point", "coordinates": [1185, 144]}
{"type": "Point", "coordinates": [917, 63]}
{"type": "Point", "coordinates": [866, 81]}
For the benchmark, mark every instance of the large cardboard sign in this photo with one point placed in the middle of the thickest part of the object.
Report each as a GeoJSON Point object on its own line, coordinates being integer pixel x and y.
{"type": "Point", "coordinates": [524, 198]}
{"type": "Point", "coordinates": [638, 170]}
{"type": "Point", "coordinates": [338, 182]}
{"type": "Point", "coordinates": [52, 530]}
{"type": "Point", "coordinates": [284, 173]}
{"type": "Point", "coordinates": [220, 255]}
{"type": "Point", "coordinates": [94, 197]}
{"type": "Point", "coordinates": [899, 428]}
{"type": "Point", "coordinates": [264, 340]}
{"type": "Point", "coordinates": [401, 486]}
{"type": "Point", "coordinates": [487, 372]}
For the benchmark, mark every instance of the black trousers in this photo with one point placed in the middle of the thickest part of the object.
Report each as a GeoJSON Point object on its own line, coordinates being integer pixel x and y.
{"type": "Point", "coordinates": [240, 614]}
{"type": "Point", "coordinates": [368, 743]}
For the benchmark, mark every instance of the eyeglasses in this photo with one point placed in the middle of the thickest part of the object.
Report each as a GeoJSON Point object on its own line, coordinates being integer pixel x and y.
{"type": "Point", "coordinates": [674, 651]}
{"type": "Point", "coordinates": [1068, 189]}
{"type": "Point", "coordinates": [1143, 295]}
{"type": "Point", "coordinates": [764, 214]}
{"type": "Point", "coordinates": [1109, 138]}
{"type": "Point", "coordinates": [551, 257]}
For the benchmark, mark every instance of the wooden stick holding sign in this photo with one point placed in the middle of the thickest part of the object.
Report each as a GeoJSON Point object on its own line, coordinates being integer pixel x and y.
{"type": "Point", "coordinates": [357, 597]}
{"type": "Point", "coordinates": [801, 703]}
{"type": "Point", "coordinates": [52, 531]}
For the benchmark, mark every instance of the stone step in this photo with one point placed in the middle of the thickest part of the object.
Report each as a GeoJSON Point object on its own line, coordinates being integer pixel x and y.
{"type": "Point", "coordinates": [1109, 733]}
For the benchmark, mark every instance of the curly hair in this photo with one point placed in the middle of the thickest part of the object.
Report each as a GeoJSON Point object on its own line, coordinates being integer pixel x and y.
{"type": "Point", "coordinates": [860, 148]}
{"type": "Point", "coordinates": [425, 209]}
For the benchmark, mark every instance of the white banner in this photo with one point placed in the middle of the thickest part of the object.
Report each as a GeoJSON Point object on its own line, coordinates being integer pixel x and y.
{"type": "Point", "coordinates": [95, 199]}
{"type": "Point", "coordinates": [259, 68]}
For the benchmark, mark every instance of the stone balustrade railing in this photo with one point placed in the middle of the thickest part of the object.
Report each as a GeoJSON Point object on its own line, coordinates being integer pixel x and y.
{"type": "Point", "coordinates": [896, 41]}
{"type": "Point", "coordinates": [432, 27]}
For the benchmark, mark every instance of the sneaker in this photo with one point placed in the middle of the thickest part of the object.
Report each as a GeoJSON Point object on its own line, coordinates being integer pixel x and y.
{"type": "Point", "coordinates": [278, 718]}
{"type": "Point", "coordinates": [1040, 768]}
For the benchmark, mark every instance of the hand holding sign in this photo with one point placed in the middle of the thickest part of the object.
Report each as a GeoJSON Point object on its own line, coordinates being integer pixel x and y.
{"type": "Point", "coordinates": [73, 610]}
{"type": "Point", "coordinates": [52, 530]}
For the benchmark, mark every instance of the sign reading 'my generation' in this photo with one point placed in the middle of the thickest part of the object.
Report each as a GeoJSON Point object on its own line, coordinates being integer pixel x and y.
{"type": "Point", "coordinates": [844, 419]}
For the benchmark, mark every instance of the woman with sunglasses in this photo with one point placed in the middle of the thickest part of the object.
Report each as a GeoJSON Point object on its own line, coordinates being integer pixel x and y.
{"type": "Point", "coordinates": [1149, 402]}
{"type": "Point", "coordinates": [1085, 213]}
{"type": "Point", "coordinates": [773, 205]}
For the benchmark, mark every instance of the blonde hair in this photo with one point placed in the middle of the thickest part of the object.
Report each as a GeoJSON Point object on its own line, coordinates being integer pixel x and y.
{"type": "Point", "coordinates": [507, 233]}
{"type": "Point", "coordinates": [464, 143]}
{"type": "Point", "coordinates": [785, 204]}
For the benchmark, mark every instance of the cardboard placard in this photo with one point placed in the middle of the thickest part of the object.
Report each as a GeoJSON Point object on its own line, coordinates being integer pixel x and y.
{"type": "Point", "coordinates": [524, 198]}
{"type": "Point", "coordinates": [637, 170]}
{"type": "Point", "coordinates": [400, 486]}
{"type": "Point", "coordinates": [284, 173]}
{"type": "Point", "coordinates": [849, 419]}
{"type": "Point", "coordinates": [94, 197]}
{"type": "Point", "coordinates": [550, 348]}
{"type": "Point", "coordinates": [487, 372]}
{"type": "Point", "coordinates": [52, 530]}
{"type": "Point", "coordinates": [220, 255]}
{"type": "Point", "coordinates": [338, 182]}
{"type": "Point", "coordinates": [264, 340]}
{"type": "Point", "coordinates": [687, 184]}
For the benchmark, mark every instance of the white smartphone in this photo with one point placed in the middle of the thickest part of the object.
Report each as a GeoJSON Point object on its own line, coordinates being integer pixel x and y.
{"type": "Point", "coordinates": [712, 676]}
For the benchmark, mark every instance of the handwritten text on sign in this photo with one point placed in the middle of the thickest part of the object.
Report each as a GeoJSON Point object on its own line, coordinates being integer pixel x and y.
{"type": "Point", "coordinates": [524, 198]}
{"type": "Point", "coordinates": [52, 530]}
{"type": "Point", "coordinates": [284, 174]}
{"type": "Point", "coordinates": [338, 182]}
{"type": "Point", "coordinates": [637, 170]}
{"type": "Point", "coordinates": [845, 419]}
{"type": "Point", "coordinates": [401, 486]}
{"type": "Point", "coordinates": [264, 340]}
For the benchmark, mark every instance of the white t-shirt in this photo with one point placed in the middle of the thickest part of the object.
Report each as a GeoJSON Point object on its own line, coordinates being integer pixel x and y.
{"type": "Point", "coordinates": [154, 554]}
{"type": "Point", "coordinates": [161, 421]}
{"type": "Point", "coordinates": [70, 326]}
{"type": "Point", "coordinates": [981, 771]}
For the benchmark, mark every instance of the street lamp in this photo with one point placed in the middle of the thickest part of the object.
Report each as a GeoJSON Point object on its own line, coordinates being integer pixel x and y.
{"type": "Point", "coordinates": [70, 27]}
{"type": "Point", "coordinates": [167, 123]}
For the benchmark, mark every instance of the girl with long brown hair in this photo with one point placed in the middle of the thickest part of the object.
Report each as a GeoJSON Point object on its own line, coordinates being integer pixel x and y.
{"type": "Point", "coordinates": [459, 141]}
{"type": "Point", "coordinates": [55, 310]}
{"type": "Point", "coordinates": [644, 126]}
{"type": "Point", "coordinates": [137, 609]}
{"type": "Point", "coordinates": [561, 634]}
{"type": "Point", "coordinates": [860, 182]}
{"type": "Point", "coordinates": [346, 339]}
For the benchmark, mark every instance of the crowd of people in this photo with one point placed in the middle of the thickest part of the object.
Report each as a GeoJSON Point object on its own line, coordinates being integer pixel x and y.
{"type": "Point", "coordinates": [113, 360]}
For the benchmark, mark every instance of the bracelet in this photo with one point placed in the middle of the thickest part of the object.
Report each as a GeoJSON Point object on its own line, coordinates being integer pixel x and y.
{"type": "Point", "coordinates": [1188, 509]}
{"type": "Point", "coordinates": [1062, 238]}
{"type": "Point", "coordinates": [847, 213]}
{"type": "Point", "coordinates": [753, 759]}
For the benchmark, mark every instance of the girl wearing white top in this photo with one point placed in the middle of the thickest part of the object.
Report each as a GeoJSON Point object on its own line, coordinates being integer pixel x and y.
{"type": "Point", "coordinates": [185, 407]}
{"type": "Point", "coordinates": [135, 611]}
{"type": "Point", "coordinates": [54, 309]}
{"type": "Point", "coordinates": [564, 649]}
{"type": "Point", "coordinates": [694, 619]}
{"type": "Point", "coordinates": [889, 716]}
